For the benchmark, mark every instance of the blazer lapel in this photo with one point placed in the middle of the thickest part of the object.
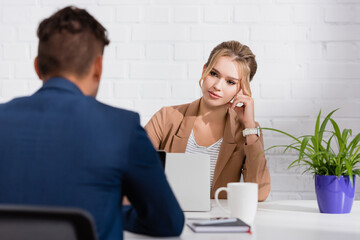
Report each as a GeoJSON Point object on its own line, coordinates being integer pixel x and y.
{"type": "Point", "coordinates": [228, 145]}
{"type": "Point", "coordinates": [181, 137]}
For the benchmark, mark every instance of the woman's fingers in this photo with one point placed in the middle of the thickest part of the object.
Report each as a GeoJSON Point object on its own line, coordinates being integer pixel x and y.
{"type": "Point", "coordinates": [243, 97]}
{"type": "Point", "coordinates": [240, 99]}
{"type": "Point", "coordinates": [243, 88]}
{"type": "Point", "coordinates": [246, 111]}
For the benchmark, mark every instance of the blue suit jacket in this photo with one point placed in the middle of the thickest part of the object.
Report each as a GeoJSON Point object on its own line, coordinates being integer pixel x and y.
{"type": "Point", "coordinates": [61, 148]}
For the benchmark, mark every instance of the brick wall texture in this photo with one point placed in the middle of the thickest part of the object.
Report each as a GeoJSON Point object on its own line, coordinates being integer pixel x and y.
{"type": "Point", "coordinates": [308, 55]}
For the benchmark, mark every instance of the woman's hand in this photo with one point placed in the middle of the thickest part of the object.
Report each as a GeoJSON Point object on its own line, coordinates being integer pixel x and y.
{"type": "Point", "coordinates": [246, 111]}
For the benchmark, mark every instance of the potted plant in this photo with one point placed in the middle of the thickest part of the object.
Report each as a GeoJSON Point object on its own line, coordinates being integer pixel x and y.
{"type": "Point", "coordinates": [335, 169]}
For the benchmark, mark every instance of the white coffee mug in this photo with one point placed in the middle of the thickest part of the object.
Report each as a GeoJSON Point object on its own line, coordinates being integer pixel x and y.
{"type": "Point", "coordinates": [242, 200]}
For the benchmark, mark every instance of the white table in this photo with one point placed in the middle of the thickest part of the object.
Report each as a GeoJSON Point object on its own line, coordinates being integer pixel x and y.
{"type": "Point", "coordinates": [290, 219]}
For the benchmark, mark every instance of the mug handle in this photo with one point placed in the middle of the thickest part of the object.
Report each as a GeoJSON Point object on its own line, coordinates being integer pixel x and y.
{"type": "Point", "coordinates": [217, 199]}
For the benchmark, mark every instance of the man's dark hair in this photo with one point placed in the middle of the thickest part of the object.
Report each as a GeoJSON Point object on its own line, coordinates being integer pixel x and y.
{"type": "Point", "coordinates": [69, 42]}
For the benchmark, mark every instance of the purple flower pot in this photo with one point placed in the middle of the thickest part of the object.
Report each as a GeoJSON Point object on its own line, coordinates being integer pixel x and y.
{"type": "Point", "coordinates": [334, 195]}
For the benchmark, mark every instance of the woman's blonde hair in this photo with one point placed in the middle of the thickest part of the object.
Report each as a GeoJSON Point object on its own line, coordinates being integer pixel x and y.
{"type": "Point", "coordinates": [239, 53]}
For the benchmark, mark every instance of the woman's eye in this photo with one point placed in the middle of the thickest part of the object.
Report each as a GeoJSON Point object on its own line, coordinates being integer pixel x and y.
{"type": "Point", "coordinates": [231, 82]}
{"type": "Point", "coordinates": [214, 74]}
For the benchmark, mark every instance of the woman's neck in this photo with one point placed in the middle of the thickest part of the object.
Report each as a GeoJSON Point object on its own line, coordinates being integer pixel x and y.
{"type": "Point", "coordinates": [210, 113]}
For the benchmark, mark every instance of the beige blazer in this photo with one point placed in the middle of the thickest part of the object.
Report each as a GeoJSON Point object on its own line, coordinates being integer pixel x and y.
{"type": "Point", "coordinates": [170, 128]}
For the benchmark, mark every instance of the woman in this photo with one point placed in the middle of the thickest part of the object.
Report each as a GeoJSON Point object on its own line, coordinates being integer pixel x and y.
{"type": "Point", "coordinates": [215, 125]}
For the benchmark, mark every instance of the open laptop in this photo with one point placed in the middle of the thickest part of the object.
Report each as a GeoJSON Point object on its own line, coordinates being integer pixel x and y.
{"type": "Point", "coordinates": [189, 178]}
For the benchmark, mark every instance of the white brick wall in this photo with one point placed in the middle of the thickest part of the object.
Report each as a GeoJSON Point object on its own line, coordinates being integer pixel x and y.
{"type": "Point", "coordinates": [223, 32]}
{"type": "Point", "coordinates": [274, 13]}
{"type": "Point", "coordinates": [273, 32]}
{"type": "Point", "coordinates": [157, 14]}
{"type": "Point", "coordinates": [130, 51]}
{"type": "Point", "coordinates": [10, 34]}
{"type": "Point", "coordinates": [189, 51]}
{"type": "Point", "coordinates": [342, 51]}
{"type": "Point", "coordinates": [217, 14]}
{"type": "Point", "coordinates": [308, 56]}
{"type": "Point", "coordinates": [247, 13]}
{"type": "Point", "coordinates": [155, 32]}
{"type": "Point", "coordinates": [341, 14]}
{"type": "Point", "coordinates": [127, 14]}
{"type": "Point", "coordinates": [19, 52]}
{"type": "Point", "coordinates": [155, 51]}
{"type": "Point", "coordinates": [308, 14]}
{"type": "Point", "coordinates": [4, 70]}
{"type": "Point", "coordinates": [187, 14]}
{"type": "Point", "coordinates": [335, 32]}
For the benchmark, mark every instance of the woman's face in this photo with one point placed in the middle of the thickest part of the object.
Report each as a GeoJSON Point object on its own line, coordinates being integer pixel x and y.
{"type": "Point", "coordinates": [223, 82]}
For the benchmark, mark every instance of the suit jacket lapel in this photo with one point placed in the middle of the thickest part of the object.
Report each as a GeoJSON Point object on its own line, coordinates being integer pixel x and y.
{"type": "Point", "coordinates": [181, 137]}
{"type": "Point", "coordinates": [228, 145]}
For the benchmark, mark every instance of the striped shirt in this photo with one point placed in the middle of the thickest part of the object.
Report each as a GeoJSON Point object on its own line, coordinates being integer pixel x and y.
{"type": "Point", "coordinates": [212, 151]}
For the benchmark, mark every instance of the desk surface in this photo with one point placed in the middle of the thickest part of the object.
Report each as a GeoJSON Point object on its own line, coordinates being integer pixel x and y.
{"type": "Point", "coordinates": [290, 219]}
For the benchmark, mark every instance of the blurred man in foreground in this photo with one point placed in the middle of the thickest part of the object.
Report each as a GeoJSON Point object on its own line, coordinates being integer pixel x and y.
{"type": "Point", "coordinates": [61, 147]}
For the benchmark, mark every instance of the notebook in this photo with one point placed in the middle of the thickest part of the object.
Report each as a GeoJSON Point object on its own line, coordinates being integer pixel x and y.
{"type": "Point", "coordinates": [230, 225]}
{"type": "Point", "coordinates": [189, 178]}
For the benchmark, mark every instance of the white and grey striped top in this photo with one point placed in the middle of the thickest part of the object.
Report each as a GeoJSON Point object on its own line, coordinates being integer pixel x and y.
{"type": "Point", "coordinates": [212, 151]}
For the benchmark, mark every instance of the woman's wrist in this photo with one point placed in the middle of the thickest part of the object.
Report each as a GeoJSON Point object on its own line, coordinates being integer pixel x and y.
{"type": "Point", "coordinates": [250, 125]}
{"type": "Point", "coordinates": [250, 139]}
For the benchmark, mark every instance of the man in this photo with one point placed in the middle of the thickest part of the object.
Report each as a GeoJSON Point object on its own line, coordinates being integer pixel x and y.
{"type": "Point", "coordinates": [61, 147]}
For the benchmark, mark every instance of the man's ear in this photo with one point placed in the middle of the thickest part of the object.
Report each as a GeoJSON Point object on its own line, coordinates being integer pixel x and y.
{"type": "Point", "coordinates": [98, 68]}
{"type": "Point", "coordinates": [36, 66]}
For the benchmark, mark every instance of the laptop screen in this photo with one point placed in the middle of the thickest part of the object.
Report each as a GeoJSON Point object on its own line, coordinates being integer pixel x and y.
{"type": "Point", "coordinates": [189, 178]}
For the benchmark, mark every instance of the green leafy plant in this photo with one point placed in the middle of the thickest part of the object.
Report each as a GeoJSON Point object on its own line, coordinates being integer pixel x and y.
{"type": "Point", "coordinates": [316, 154]}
